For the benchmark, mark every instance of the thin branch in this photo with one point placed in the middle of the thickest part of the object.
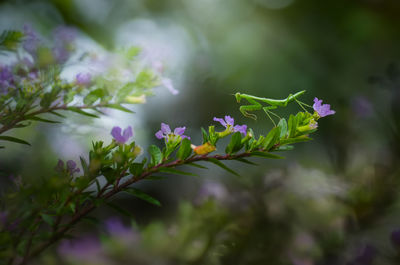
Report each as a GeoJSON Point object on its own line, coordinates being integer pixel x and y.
{"type": "Point", "coordinates": [89, 208]}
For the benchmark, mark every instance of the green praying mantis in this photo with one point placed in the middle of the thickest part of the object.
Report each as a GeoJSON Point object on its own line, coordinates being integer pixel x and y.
{"type": "Point", "coordinates": [273, 104]}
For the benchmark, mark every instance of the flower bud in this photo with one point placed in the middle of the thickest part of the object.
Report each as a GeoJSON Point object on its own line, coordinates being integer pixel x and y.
{"type": "Point", "coordinates": [204, 148]}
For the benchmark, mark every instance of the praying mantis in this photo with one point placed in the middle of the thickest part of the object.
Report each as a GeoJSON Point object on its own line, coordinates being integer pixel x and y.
{"type": "Point", "coordinates": [273, 104]}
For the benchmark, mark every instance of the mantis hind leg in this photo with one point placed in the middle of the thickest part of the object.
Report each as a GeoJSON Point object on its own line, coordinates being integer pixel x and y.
{"type": "Point", "coordinates": [244, 109]}
{"type": "Point", "coordinates": [268, 111]}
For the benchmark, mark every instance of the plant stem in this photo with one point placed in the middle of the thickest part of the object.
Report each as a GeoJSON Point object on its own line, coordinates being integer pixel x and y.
{"type": "Point", "coordinates": [89, 208]}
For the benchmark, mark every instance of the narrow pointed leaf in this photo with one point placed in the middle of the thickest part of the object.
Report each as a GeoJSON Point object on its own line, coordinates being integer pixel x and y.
{"type": "Point", "coordinates": [196, 165]}
{"type": "Point", "coordinates": [47, 218]}
{"type": "Point", "coordinates": [14, 139]}
{"type": "Point", "coordinates": [222, 165]}
{"type": "Point", "coordinates": [295, 140]}
{"type": "Point", "coordinates": [142, 195]}
{"type": "Point", "coordinates": [266, 155]}
{"type": "Point", "coordinates": [119, 107]}
{"type": "Point", "coordinates": [57, 114]}
{"type": "Point", "coordinates": [285, 148]}
{"type": "Point", "coordinates": [272, 138]}
{"type": "Point", "coordinates": [205, 135]}
{"type": "Point", "coordinates": [36, 118]}
{"type": "Point", "coordinates": [78, 110]}
{"type": "Point", "coordinates": [119, 209]}
{"type": "Point", "coordinates": [243, 160]}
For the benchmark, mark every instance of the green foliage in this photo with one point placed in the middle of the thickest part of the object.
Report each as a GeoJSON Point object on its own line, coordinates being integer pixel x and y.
{"type": "Point", "coordinates": [142, 195]}
{"type": "Point", "coordinates": [10, 39]}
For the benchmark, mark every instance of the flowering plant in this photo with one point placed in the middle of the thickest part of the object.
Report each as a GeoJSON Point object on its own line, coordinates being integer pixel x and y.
{"type": "Point", "coordinates": [42, 213]}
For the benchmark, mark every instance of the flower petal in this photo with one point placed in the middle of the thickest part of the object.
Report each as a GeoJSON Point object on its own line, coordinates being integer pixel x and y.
{"type": "Point", "coordinates": [116, 133]}
{"type": "Point", "coordinates": [229, 120]}
{"type": "Point", "coordinates": [165, 128]}
{"type": "Point", "coordinates": [128, 133]}
{"type": "Point", "coordinates": [159, 134]}
{"type": "Point", "coordinates": [240, 128]}
{"type": "Point", "coordinates": [223, 123]}
{"type": "Point", "coordinates": [179, 130]}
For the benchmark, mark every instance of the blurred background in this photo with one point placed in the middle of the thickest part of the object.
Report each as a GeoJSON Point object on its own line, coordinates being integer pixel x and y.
{"type": "Point", "coordinates": [334, 200]}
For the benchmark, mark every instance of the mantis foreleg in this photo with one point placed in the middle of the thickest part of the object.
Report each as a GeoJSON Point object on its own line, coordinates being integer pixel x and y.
{"type": "Point", "coordinates": [244, 109]}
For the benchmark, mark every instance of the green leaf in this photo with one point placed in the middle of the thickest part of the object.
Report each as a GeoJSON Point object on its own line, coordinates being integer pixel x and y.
{"type": "Point", "coordinates": [124, 91]}
{"type": "Point", "coordinates": [284, 128]}
{"type": "Point", "coordinates": [298, 139]}
{"type": "Point", "coordinates": [185, 150]}
{"type": "Point", "coordinates": [136, 169]}
{"type": "Point", "coordinates": [266, 155]}
{"type": "Point", "coordinates": [94, 95]}
{"type": "Point", "coordinates": [57, 114]}
{"type": "Point", "coordinates": [47, 100]}
{"type": "Point", "coordinates": [36, 118]}
{"type": "Point", "coordinates": [246, 161]}
{"type": "Point", "coordinates": [145, 79]}
{"type": "Point", "coordinates": [205, 135]}
{"type": "Point", "coordinates": [9, 39]}
{"type": "Point", "coordinates": [222, 165]}
{"type": "Point", "coordinates": [176, 171]}
{"type": "Point", "coordinates": [69, 97]}
{"type": "Point", "coordinates": [235, 144]}
{"type": "Point", "coordinates": [14, 139]}
{"type": "Point", "coordinates": [78, 110]}
{"type": "Point", "coordinates": [119, 209]}
{"type": "Point", "coordinates": [119, 107]}
{"type": "Point", "coordinates": [156, 155]}
{"type": "Point", "coordinates": [196, 165]}
{"type": "Point", "coordinates": [142, 195]}
{"type": "Point", "coordinates": [272, 138]}
{"type": "Point", "coordinates": [85, 166]}
{"type": "Point", "coordinates": [285, 148]}
{"type": "Point", "coordinates": [47, 218]}
{"type": "Point", "coordinates": [292, 126]}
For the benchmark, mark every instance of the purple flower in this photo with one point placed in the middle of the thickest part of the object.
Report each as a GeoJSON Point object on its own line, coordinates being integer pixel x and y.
{"type": "Point", "coordinates": [60, 166]}
{"type": "Point", "coordinates": [214, 190]}
{"type": "Point", "coordinates": [228, 123]}
{"type": "Point", "coordinates": [83, 79]}
{"type": "Point", "coordinates": [121, 137]}
{"type": "Point", "coordinates": [86, 248]}
{"type": "Point", "coordinates": [114, 226]}
{"type": "Point", "coordinates": [31, 40]}
{"type": "Point", "coordinates": [395, 238]}
{"type": "Point", "coordinates": [71, 167]}
{"type": "Point", "coordinates": [166, 132]}
{"type": "Point", "coordinates": [322, 109]}
{"type": "Point", "coordinates": [6, 79]}
{"type": "Point", "coordinates": [64, 37]}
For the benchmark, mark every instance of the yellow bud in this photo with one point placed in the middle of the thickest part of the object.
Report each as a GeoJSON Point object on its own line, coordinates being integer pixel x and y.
{"type": "Point", "coordinates": [136, 100]}
{"type": "Point", "coordinates": [203, 149]}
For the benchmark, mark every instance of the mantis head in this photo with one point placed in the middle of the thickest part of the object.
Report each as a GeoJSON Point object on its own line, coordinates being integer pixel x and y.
{"type": "Point", "coordinates": [238, 97]}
